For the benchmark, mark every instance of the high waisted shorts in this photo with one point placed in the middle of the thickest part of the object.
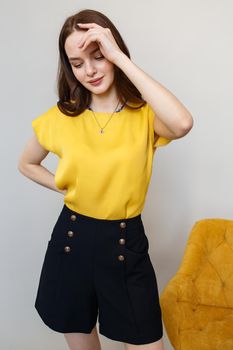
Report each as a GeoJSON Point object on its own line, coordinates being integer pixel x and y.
{"type": "Point", "coordinates": [99, 268]}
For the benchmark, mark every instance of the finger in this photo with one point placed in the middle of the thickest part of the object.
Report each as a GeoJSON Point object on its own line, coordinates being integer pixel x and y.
{"type": "Point", "coordinates": [89, 41]}
{"type": "Point", "coordinates": [82, 41]}
{"type": "Point", "coordinates": [85, 36]}
{"type": "Point", "coordinates": [91, 37]}
{"type": "Point", "coordinates": [88, 25]}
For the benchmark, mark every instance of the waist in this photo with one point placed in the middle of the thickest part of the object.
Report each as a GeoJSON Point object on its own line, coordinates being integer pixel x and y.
{"type": "Point", "coordinates": [131, 222]}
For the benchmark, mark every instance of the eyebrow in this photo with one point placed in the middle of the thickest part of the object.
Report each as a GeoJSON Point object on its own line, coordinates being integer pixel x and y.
{"type": "Point", "coordinates": [77, 58]}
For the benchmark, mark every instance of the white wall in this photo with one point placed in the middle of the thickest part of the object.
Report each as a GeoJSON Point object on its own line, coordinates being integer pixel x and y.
{"type": "Point", "coordinates": [186, 46]}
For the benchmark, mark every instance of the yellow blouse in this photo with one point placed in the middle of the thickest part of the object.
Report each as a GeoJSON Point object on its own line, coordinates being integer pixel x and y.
{"type": "Point", "coordinates": [106, 175]}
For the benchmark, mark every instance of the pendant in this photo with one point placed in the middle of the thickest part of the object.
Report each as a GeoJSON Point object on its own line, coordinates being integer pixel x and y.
{"type": "Point", "coordinates": [102, 131]}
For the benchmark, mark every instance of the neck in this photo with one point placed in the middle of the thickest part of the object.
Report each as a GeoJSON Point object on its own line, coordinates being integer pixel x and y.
{"type": "Point", "coordinates": [101, 103]}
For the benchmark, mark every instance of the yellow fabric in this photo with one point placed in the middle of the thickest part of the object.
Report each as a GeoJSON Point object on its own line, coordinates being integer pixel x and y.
{"type": "Point", "coordinates": [197, 303]}
{"type": "Point", "coordinates": [106, 175]}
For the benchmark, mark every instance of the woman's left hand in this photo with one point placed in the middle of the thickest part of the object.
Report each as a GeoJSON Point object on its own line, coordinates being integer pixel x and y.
{"type": "Point", "coordinates": [103, 37]}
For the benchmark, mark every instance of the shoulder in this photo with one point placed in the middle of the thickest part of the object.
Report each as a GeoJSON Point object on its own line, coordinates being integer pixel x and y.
{"type": "Point", "coordinates": [144, 107]}
{"type": "Point", "coordinates": [140, 108]}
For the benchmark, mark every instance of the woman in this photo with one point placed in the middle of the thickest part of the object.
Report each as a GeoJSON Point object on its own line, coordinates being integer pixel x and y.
{"type": "Point", "coordinates": [105, 135]}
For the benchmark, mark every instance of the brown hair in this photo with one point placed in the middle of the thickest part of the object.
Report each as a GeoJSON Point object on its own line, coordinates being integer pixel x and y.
{"type": "Point", "coordinates": [74, 98]}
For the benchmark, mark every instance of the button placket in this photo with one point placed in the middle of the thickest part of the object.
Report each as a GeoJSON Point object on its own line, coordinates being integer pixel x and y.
{"type": "Point", "coordinates": [121, 241]}
{"type": "Point", "coordinates": [70, 234]}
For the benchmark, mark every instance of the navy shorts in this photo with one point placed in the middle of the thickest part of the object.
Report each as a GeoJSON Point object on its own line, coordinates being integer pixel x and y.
{"type": "Point", "coordinates": [100, 268]}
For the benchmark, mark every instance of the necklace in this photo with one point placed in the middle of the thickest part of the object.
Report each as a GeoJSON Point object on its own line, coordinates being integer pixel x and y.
{"type": "Point", "coordinates": [102, 128]}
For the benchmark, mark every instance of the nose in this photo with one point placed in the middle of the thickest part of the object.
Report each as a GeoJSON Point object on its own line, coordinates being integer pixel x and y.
{"type": "Point", "coordinates": [90, 69]}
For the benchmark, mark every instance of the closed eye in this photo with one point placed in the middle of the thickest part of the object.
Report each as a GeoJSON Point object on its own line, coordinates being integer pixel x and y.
{"type": "Point", "coordinates": [97, 58]}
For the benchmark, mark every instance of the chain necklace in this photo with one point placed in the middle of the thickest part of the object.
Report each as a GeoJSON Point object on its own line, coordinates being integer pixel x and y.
{"type": "Point", "coordinates": [102, 128]}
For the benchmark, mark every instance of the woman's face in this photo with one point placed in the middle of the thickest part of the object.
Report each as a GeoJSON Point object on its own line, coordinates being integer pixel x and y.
{"type": "Point", "coordinates": [89, 64]}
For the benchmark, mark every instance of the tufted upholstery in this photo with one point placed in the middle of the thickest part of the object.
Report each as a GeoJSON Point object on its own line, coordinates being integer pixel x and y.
{"type": "Point", "coordinates": [197, 303]}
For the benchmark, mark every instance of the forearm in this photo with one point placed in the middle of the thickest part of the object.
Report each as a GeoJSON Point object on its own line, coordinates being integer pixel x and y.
{"type": "Point", "coordinates": [166, 106]}
{"type": "Point", "coordinates": [41, 175]}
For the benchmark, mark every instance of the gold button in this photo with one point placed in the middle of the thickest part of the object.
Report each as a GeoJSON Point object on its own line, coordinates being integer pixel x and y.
{"type": "Point", "coordinates": [122, 241]}
{"type": "Point", "coordinates": [122, 224]}
{"type": "Point", "coordinates": [121, 257]}
{"type": "Point", "coordinates": [67, 249]}
{"type": "Point", "coordinates": [73, 217]}
{"type": "Point", "coordinates": [70, 233]}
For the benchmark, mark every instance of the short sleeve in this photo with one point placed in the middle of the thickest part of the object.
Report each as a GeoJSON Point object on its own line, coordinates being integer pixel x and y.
{"type": "Point", "coordinates": [46, 129]}
{"type": "Point", "coordinates": [160, 140]}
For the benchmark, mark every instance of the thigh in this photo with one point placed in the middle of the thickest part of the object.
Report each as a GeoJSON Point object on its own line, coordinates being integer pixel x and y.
{"type": "Point", "coordinates": [129, 309]}
{"type": "Point", "coordinates": [66, 298]}
{"type": "Point", "coordinates": [82, 341]}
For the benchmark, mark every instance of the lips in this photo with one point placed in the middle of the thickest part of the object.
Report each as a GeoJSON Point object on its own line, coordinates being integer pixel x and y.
{"type": "Point", "coordinates": [95, 80]}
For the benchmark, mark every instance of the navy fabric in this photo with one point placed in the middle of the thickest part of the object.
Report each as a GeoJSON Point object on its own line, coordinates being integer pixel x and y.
{"type": "Point", "coordinates": [83, 280]}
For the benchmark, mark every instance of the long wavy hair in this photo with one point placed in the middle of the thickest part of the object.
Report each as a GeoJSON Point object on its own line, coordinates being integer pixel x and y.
{"type": "Point", "coordinates": [74, 98]}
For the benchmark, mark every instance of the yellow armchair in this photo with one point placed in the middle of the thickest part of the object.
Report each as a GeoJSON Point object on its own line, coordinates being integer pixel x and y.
{"type": "Point", "coordinates": [197, 303]}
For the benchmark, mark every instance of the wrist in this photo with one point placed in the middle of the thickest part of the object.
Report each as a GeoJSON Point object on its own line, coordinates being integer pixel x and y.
{"type": "Point", "coordinates": [121, 59]}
